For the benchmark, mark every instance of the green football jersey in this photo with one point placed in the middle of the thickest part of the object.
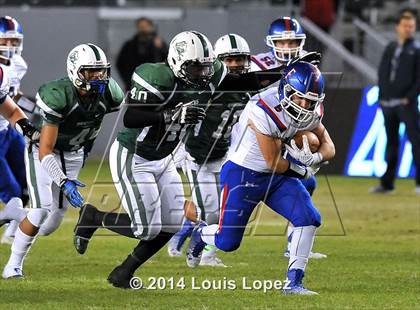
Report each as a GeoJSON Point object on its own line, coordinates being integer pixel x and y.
{"type": "Point", "coordinates": [210, 139]}
{"type": "Point", "coordinates": [127, 137]}
{"type": "Point", "coordinates": [156, 86]}
{"type": "Point", "coordinates": [78, 118]}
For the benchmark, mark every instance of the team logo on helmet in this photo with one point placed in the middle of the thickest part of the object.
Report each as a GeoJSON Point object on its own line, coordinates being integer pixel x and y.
{"type": "Point", "coordinates": [180, 48]}
{"type": "Point", "coordinates": [73, 57]}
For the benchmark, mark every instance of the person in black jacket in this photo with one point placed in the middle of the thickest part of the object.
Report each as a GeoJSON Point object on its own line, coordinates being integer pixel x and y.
{"type": "Point", "coordinates": [399, 87]}
{"type": "Point", "coordinates": [145, 47]}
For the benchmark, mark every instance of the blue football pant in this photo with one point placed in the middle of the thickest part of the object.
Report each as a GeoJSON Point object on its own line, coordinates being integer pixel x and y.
{"type": "Point", "coordinates": [243, 189]}
{"type": "Point", "coordinates": [12, 164]}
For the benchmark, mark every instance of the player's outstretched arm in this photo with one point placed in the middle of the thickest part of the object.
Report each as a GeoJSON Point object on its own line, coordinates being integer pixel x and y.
{"type": "Point", "coordinates": [327, 147]}
{"type": "Point", "coordinates": [251, 81]}
{"type": "Point", "coordinates": [17, 118]}
{"type": "Point", "coordinates": [11, 111]}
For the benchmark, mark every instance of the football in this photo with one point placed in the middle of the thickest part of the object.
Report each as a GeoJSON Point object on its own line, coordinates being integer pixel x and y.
{"type": "Point", "coordinates": [312, 139]}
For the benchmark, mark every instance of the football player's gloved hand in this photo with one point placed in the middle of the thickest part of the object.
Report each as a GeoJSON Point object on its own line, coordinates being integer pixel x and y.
{"type": "Point", "coordinates": [312, 170]}
{"type": "Point", "coordinates": [304, 155]}
{"type": "Point", "coordinates": [311, 57]}
{"type": "Point", "coordinates": [69, 189]}
{"type": "Point", "coordinates": [186, 113]}
{"type": "Point", "coordinates": [25, 127]}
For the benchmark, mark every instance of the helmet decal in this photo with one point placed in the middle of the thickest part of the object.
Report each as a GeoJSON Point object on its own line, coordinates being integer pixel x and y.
{"type": "Point", "coordinates": [180, 48]}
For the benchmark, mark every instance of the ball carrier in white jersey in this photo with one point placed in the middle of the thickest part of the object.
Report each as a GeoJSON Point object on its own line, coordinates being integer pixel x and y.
{"type": "Point", "coordinates": [286, 39]}
{"type": "Point", "coordinates": [256, 169]}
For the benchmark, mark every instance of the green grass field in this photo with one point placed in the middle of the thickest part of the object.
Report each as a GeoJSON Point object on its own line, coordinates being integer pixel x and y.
{"type": "Point", "coordinates": [373, 259]}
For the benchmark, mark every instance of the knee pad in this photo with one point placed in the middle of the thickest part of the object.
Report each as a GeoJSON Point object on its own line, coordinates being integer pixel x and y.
{"type": "Point", "coordinates": [52, 222]}
{"type": "Point", "coordinates": [37, 216]}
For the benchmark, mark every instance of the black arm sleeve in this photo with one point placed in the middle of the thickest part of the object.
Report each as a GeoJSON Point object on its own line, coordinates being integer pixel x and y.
{"type": "Point", "coordinates": [139, 117]}
{"type": "Point", "coordinates": [251, 81]}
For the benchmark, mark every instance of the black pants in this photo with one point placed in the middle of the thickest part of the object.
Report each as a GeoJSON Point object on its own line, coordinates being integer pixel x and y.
{"type": "Point", "coordinates": [409, 115]}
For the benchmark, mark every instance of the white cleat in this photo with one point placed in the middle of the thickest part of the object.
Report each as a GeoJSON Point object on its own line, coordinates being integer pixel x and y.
{"type": "Point", "coordinates": [298, 290]}
{"type": "Point", "coordinates": [212, 261]}
{"type": "Point", "coordinates": [417, 190]}
{"type": "Point", "coordinates": [316, 255]}
{"type": "Point", "coordinates": [172, 252]}
{"type": "Point", "coordinates": [10, 272]}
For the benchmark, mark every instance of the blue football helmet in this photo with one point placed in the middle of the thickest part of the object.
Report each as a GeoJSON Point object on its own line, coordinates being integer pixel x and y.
{"type": "Point", "coordinates": [285, 28]}
{"type": "Point", "coordinates": [12, 34]}
{"type": "Point", "coordinates": [301, 80]}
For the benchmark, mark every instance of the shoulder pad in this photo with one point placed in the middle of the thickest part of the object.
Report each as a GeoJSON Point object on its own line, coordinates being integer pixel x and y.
{"type": "Point", "coordinates": [158, 75]}
{"type": "Point", "coordinates": [51, 97]}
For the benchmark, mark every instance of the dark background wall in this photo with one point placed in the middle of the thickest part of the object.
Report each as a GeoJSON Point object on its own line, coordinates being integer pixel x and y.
{"type": "Point", "coordinates": [341, 108]}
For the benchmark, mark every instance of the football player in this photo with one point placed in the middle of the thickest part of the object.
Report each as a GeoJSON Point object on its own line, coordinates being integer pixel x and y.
{"type": "Point", "coordinates": [286, 39]}
{"type": "Point", "coordinates": [16, 118]}
{"type": "Point", "coordinates": [12, 159]}
{"type": "Point", "coordinates": [257, 171]}
{"type": "Point", "coordinates": [209, 143]}
{"type": "Point", "coordinates": [165, 99]}
{"type": "Point", "coordinates": [72, 108]}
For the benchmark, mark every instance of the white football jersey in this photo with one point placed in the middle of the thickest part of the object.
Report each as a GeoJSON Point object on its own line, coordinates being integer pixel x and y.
{"type": "Point", "coordinates": [263, 61]}
{"type": "Point", "coordinates": [12, 77]}
{"type": "Point", "coordinates": [265, 112]}
{"type": "Point", "coordinates": [266, 61]}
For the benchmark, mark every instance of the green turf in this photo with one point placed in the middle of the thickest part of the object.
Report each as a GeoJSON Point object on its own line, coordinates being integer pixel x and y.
{"type": "Point", "coordinates": [373, 259]}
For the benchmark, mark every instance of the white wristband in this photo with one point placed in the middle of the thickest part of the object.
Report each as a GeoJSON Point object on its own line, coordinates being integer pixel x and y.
{"type": "Point", "coordinates": [53, 169]}
{"type": "Point", "coordinates": [317, 158]}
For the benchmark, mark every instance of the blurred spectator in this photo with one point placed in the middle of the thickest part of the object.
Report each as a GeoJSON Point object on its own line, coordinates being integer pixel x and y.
{"type": "Point", "coordinates": [144, 47]}
{"type": "Point", "coordinates": [320, 12]}
{"type": "Point", "coordinates": [323, 14]}
{"type": "Point", "coordinates": [399, 87]}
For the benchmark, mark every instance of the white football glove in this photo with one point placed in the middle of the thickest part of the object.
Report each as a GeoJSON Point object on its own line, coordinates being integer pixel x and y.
{"type": "Point", "coordinates": [312, 170]}
{"type": "Point", "coordinates": [304, 155]}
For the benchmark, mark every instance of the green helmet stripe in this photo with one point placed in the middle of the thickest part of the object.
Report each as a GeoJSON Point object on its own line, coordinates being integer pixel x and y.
{"type": "Point", "coordinates": [233, 41]}
{"type": "Point", "coordinates": [96, 51]}
{"type": "Point", "coordinates": [203, 42]}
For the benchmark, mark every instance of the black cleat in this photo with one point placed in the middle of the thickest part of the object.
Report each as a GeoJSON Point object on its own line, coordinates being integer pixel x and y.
{"type": "Point", "coordinates": [85, 228]}
{"type": "Point", "coordinates": [4, 222]}
{"type": "Point", "coordinates": [120, 277]}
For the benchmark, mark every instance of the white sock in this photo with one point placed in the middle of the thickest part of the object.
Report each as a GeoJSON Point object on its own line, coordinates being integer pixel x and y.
{"type": "Point", "coordinates": [13, 210]}
{"type": "Point", "coordinates": [20, 247]}
{"type": "Point", "coordinates": [290, 228]}
{"type": "Point", "coordinates": [301, 246]}
{"type": "Point", "coordinates": [208, 233]}
{"type": "Point", "coordinates": [209, 251]}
